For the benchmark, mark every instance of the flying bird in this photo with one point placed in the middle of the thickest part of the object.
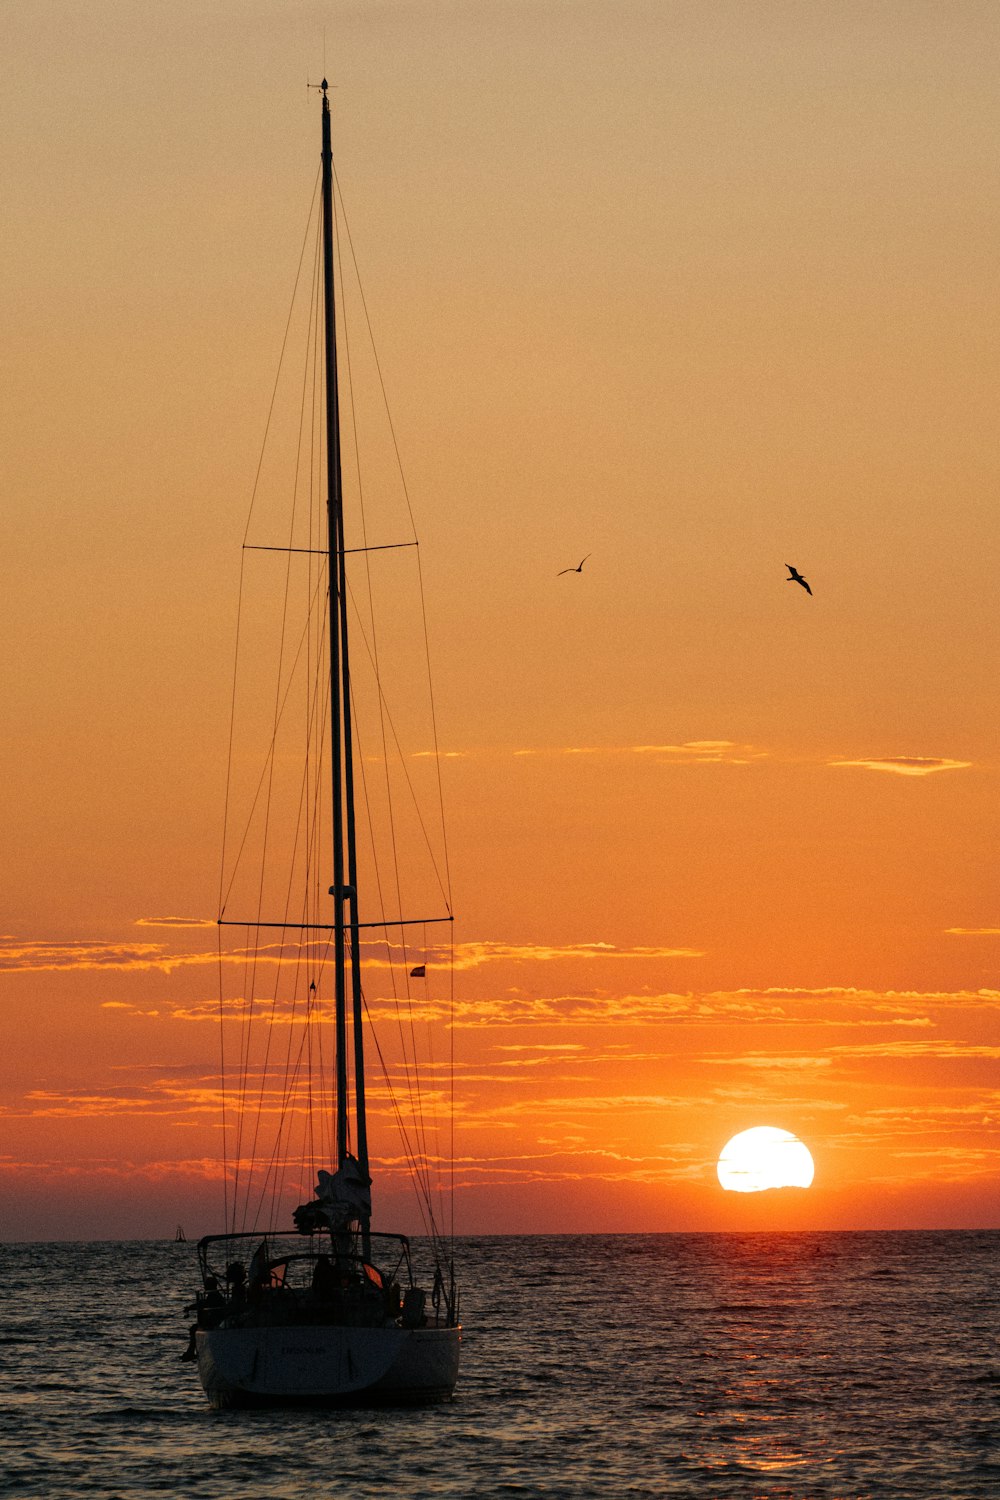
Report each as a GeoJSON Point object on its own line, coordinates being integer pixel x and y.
{"type": "Point", "coordinates": [578, 569]}
{"type": "Point", "coordinates": [796, 577]}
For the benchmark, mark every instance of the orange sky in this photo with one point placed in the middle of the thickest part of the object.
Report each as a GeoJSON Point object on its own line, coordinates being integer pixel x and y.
{"type": "Point", "coordinates": [696, 289]}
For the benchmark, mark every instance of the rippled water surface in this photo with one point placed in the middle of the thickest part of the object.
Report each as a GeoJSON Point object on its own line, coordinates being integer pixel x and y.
{"type": "Point", "coordinates": [798, 1365]}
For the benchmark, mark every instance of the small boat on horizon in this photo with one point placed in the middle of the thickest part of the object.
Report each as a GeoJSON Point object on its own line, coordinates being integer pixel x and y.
{"type": "Point", "coordinates": [315, 1306]}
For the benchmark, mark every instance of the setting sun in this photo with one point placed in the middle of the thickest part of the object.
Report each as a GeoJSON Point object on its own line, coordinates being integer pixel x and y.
{"type": "Point", "coordinates": [764, 1157]}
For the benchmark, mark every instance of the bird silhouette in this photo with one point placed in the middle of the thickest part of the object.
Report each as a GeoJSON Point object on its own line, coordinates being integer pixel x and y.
{"type": "Point", "coordinates": [796, 577]}
{"type": "Point", "coordinates": [578, 569]}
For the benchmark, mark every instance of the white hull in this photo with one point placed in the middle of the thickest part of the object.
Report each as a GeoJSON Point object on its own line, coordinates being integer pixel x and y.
{"type": "Point", "coordinates": [326, 1365]}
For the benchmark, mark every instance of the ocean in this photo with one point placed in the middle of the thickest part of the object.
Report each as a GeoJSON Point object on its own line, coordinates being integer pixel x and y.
{"type": "Point", "coordinates": [765, 1365]}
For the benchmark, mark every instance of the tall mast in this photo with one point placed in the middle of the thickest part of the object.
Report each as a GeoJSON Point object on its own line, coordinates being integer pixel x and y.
{"type": "Point", "coordinates": [335, 519]}
{"type": "Point", "coordinates": [344, 838]}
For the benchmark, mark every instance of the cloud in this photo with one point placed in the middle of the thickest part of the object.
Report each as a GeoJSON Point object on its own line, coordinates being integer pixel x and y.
{"type": "Point", "coordinates": [903, 1003]}
{"type": "Point", "coordinates": [906, 765]}
{"type": "Point", "coordinates": [690, 752]}
{"type": "Point", "coordinates": [161, 1098]}
{"type": "Point", "coordinates": [577, 1105]}
{"type": "Point", "coordinates": [473, 1172]}
{"type": "Point", "coordinates": [472, 955]}
{"type": "Point", "coordinates": [117, 1169]}
{"type": "Point", "coordinates": [724, 752]}
{"type": "Point", "coordinates": [268, 1095]}
{"type": "Point", "coordinates": [703, 752]}
{"type": "Point", "coordinates": [41, 956]}
{"type": "Point", "coordinates": [175, 922]}
{"type": "Point", "coordinates": [538, 1047]}
{"type": "Point", "coordinates": [978, 1111]}
{"type": "Point", "coordinates": [27, 955]}
{"type": "Point", "coordinates": [938, 1048]}
{"type": "Point", "coordinates": [830, 1007]}
{"type": "Point", "coordinates": [578, 1164]}
{"type": "Point", "coordinates": [790, 1104]}
{"type": "Point", "coordinates": [599, 1009]}
{"type": "Point", "coordinates": [46, 957]}
{"type": "Point", "coordinates": [771, 1063]}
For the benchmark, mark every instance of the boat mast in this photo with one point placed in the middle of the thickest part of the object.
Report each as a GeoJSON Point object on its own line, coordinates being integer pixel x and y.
{"type": "Point", "coordinates": [344, 839]}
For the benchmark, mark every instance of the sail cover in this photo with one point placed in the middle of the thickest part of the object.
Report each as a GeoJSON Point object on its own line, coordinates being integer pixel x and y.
{"type": "Point", "coordinates": [341, 1197]}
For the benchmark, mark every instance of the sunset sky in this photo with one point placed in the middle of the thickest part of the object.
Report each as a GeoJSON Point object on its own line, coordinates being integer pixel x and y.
{"type": "Point", "coordinates": [698, 288]}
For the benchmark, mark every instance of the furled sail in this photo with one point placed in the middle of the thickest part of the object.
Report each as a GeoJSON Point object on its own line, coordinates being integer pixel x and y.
{"type": "Point", "coordinates": [342, 1197]}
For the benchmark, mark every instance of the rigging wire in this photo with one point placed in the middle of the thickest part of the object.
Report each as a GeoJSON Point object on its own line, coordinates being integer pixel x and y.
{"type": "Point", "coordinates": [279, 699]}
{"type": "Point", "coordinates": [303, 1090]}
{"type": "Point", "coordinates": [411, 1068]}
{"type": "Point", "coordinates": [246, 531]}
{"type": "Point", "coordinates": [409, 508]}
{"type": "Point", "coordinates": [254, 949]}
{"type": "Point", "coordinates": [447, 889]}
{"type": "Point", "coordinates": [404, 769]}
{"type": "Point", "coordinates": [424, 1199]}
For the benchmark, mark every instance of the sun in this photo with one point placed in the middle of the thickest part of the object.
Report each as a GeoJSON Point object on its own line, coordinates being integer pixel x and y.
{"type": "Point", "coordinates": [764, 1157]}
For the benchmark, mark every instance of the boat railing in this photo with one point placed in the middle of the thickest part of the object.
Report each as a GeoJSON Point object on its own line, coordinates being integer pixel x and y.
{"type": "Point", "coordinates": [245, 1274]}
{"type": "Point", "coordinates": [253, 1276]}
{"type": "Point", "coordinates": [268, 1241]}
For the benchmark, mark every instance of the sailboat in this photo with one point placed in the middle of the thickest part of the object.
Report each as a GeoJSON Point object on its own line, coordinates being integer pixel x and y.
{"type": "Point", "coordinates": [323, 1309]}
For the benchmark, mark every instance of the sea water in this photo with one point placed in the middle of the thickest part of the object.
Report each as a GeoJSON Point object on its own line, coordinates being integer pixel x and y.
{"type": "Point", "coordinates": [781, 1365]}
